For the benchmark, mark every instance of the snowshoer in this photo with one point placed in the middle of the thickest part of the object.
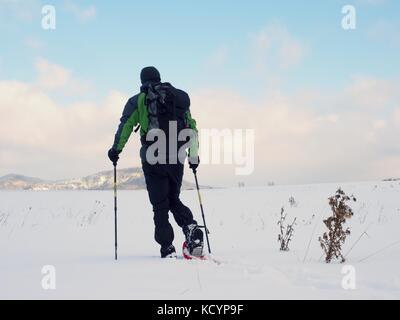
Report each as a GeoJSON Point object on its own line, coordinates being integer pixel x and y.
{"type": "Point", "coordinates": [155, 108]}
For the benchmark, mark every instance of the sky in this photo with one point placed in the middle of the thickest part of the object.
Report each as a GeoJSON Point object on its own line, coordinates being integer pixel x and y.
{"type": "Point", "coordinates": [323, 101]}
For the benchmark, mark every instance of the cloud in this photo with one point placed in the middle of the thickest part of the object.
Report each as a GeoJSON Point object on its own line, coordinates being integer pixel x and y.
{"type": "Point", "coordinates": [274, 45]}
{"type": "Point", "coordinates": [396, 117]}
{"type": "Point", "coordinates": [33, 43]}
{"type": "Point", "coordinates": [80, 13]}
{"type": "Point", "coordinates": [53, 77]}
{"type": "Point", "coordinates": [219, 58]}
{"type": "Point", "coordinates": [306, 137]}
{"type": "Point", "coordinates": [373, 94]}
{"type": "Point", "coordinates": [298, 141]}
{"type": "Point", "coordinates": [22, 10]}
{"type": "Point", "coordinates": [41, 137]}
{"type": "Point", "coordinates": [371, 2]}
{"type": "Point", "coordinates": [385, 31]}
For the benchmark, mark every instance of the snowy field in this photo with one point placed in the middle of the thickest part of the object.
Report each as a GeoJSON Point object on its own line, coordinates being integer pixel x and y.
{"type": "Point", "coordinates": [73, 231]}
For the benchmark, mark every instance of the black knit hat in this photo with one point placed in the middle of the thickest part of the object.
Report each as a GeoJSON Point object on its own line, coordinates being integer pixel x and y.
{"type": "Point", "coordinates": [150, 74]}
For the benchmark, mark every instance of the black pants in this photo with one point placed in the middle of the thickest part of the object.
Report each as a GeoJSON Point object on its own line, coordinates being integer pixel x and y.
{"type": "Point", "coordinates": [164, 183]}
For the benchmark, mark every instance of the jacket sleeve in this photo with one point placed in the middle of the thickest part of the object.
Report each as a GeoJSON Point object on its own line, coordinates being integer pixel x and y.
{"type": "Point", "coordinates": [129, 119]}
{"type": "Point", "coordinates": [194, 146]}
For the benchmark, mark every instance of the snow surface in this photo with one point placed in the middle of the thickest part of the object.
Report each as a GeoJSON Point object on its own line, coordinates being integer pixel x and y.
{"type": "Point", "coordinates": [73, 231]}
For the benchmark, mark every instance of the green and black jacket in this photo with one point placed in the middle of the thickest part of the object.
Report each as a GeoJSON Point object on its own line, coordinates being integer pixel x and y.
{"type": "Point", "coordinates": [136, 113]}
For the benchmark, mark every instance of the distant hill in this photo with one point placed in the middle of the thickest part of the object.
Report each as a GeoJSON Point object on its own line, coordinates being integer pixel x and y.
{"type": "Point", "coordinates": [128, 179]}
{"type": "Point", "coordinates": [16, 181]}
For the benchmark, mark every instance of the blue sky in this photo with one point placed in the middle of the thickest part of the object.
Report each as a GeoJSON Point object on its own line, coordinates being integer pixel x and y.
{"type": "Point", "coordinates": [286, 69]}
{"type": "Point", "coordinates": [180, 37]}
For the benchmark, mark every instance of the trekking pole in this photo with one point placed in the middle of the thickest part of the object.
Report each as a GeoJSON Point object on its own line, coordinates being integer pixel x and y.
{"type": "Point", "coordinates": [115, 212]}
{"type": "Point", "coordinates": [202, 210]}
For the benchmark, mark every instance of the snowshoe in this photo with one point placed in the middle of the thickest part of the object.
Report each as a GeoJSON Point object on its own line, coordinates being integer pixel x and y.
{"type": "Point", "coordinates": [197, 253]}
{"type": "Point", "coordinates": [193, 246]}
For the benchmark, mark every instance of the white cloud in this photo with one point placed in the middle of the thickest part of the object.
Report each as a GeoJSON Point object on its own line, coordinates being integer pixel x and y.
{"type": "Point", "coordinates": [219, 58]}
{"type": "Point", "coordinates": [396, 116]}
{"type": "Point", "coordinates": [40, 137]}
{"type": "Point", "coordinates": [299, 138]}
{"type": "Point", "coordinates": [23, 10]}
{"type": "Point", "coordinates": [33, 43]}
{"type": "Point", "coordinates": [379, 124]}
{"type": "Point", "coordinates": [80, 13]}
{"type": "Point", "coordinates": [385, 31]}
{"type": "Point", "coordinates": [274, 45]}
{"type": "Point", "coordinates": [371, 2]}
{"type": "Point", "coordinates": [373, 93]}
{"type": "Point", "coordinates": [53, 77]}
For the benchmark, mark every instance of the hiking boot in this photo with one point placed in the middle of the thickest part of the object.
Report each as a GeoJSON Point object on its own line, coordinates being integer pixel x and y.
{"type": "Point", "coordinates": [168, 252]}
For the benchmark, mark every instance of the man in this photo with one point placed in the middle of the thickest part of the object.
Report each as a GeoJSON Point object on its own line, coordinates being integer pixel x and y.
{"type": "Point", "coordinates": [161, 107]}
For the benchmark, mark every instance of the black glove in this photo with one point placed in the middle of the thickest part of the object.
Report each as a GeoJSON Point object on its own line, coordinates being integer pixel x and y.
{"type": "Point", "coordinates": [194, 163]}
{"type": "Point", "coordinates": [113, 155]}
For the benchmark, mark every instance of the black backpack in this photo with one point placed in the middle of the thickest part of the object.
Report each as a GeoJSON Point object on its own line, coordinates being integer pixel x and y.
{"type": "Point", "coordinates": [163, 105]}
